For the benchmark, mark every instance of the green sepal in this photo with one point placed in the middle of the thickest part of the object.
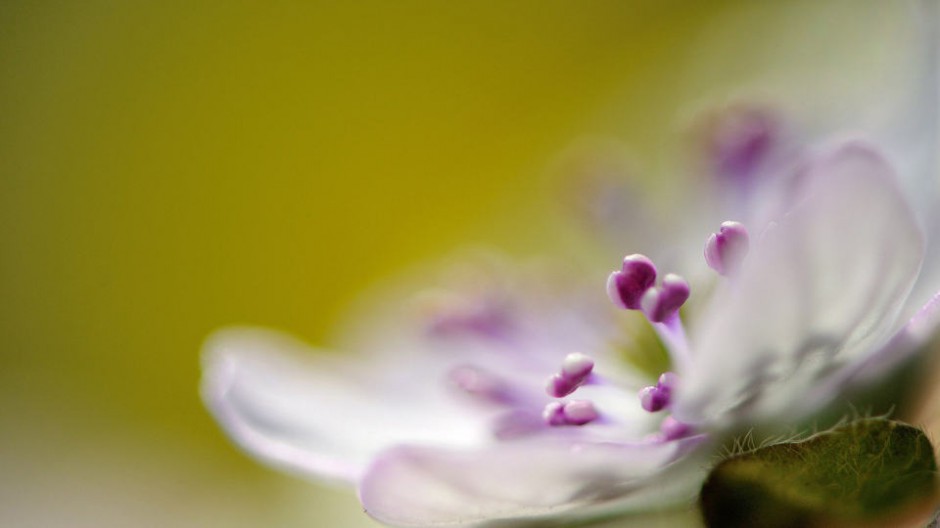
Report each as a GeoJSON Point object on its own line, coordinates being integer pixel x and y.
{"type": "Point", "coordinates": [864, 470]}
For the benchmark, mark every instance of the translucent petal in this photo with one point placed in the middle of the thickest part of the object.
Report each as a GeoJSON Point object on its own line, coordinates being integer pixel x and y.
{"type": "Point", "coordinates": [321, 417]}
{"type": "Point", "coordinates": [523, 481]}
{"type": "Point", "coordinates": [821, 291]}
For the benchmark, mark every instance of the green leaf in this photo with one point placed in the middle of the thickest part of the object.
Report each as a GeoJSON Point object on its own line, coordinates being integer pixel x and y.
{"type": "Point", "coordinates": [865, 469]}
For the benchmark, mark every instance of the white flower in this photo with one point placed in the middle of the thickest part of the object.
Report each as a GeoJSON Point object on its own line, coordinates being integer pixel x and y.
{"type": "Point", "coordinates": [509, 401]}
{"type": "Point", "coordinates": [452, 425]}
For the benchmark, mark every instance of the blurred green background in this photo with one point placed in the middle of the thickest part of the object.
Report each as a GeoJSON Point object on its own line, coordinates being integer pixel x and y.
{"type": "Point", "coordinates": [172, 167]}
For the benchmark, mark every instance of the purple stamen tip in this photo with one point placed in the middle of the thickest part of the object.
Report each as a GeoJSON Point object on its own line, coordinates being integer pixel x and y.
{"type": "Point", "coordinates": [658, 397]}
{"type": "Point", "coordinates": [575, 412]}
{"type": "Point", "coordinates": [672, 429]}
{"type": "Point", "coordinates": [577, 365]}
{"type": "Point", "coordinates": [667, 382]}
{"type": "Point", "coordinates": [654, 399]}
{"type": "Point", "coordinates": [660, 304]}
{"type": "Point", "coordinates": [575, 371]}
{"type": "Point", "coordinates": [725, 250]}
{"type": "Point", "coordinates": [580, 412]}
{"type": "Point", "coordinates": [741, 140]}
{"type": "Point", "coordinates": [627, 286]}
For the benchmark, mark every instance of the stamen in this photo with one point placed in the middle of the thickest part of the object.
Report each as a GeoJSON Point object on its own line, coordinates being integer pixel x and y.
{"type": "Point", "coordinates": [575, 371]}
{"type": "Point", "coordinates": [725, 250]}
{"type": "Point", "coordinates": [672, 429]}
{"type": "Point", "coordinates": [658, 397]}
{"type": "Point", "coordinates": [580, 412]}
{"type": "Point", "coordinates": [633, 288]}
{"type": "Point", "coordinates": [627, 286]}
{"type": "Point", "coordinates": [662, 303]}
{"type": "Point", "coordinates": [554, 413]}
{"type": "Point", "coordinates": [652, 399]}
{"type": "Point", "coordinates": [517, 423]}
{"type": "Point", "coordinates": [575, 412]}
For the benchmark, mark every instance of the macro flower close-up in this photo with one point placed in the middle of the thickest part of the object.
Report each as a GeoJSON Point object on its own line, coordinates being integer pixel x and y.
{"type": "Point", "coordinates": [612, 263]}
{"type": "Point", "coordinates": [503, 404]}
{"type": "Point", "coordinates": [518, 392]}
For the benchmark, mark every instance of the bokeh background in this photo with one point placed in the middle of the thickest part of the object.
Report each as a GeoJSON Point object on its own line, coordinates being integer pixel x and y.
{"type": "Point", "coordinates": [167, 168]}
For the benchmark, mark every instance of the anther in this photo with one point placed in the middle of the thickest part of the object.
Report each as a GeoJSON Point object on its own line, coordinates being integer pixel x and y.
{"type": "Point", "coordinates": [660, 304]}
{"type": "Point", "coordinates": [652, 399]}
{"type": "Point", "coordinates": [575, 412]}
{"type": "Point", "coordinates": [658, 397]}
{"type": "Point", "coordinates": [575, 371]}
{"type": "Point", "coordinates": [627, 286]}
{"type": "Point", "coordinates": [739, 141]}
{"type": "Point", "coordinates": [672, 429]}
{"type": "Point", "coordinates": [668, 381]}
{"type": "Point", "coordinates": [725, 250]}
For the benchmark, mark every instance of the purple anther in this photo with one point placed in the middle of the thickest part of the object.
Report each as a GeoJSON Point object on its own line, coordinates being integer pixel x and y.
{"type": "Point", "coordinates": [580, 412]}
{"type": "Point", "coordinates": [653, 399]}
{"type": "Point", "coordinates": [627, 286]}
{"type": "Point", "coordinates": [725, 250]}
{"type": "Point", "coordinates": [660, 304]}
{"type": "Point", "coordinates": [575, 412]}
{"type": "Point", "coordinates": [577, 365]}
{"type": "Point", "coordinates": [672, 429]}
{"type": "Point", "coordinates": [667, 382]}
{"type": "Point", "coordinates": [554, 413]}
{"type": "Point", "coordinates": [575, 371]}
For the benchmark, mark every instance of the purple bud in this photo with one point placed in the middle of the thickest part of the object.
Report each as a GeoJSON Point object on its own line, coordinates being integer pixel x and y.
{"type": "Point", "coordinates": [725, 250]}
{"type": "Point", "coordinates": [660, 304]}
{"type": "Point", "coordinates": [627, 286]}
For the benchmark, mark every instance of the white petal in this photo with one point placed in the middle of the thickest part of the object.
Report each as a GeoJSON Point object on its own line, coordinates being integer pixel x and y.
{"type": "Point", "coordinates": [914, 335]}
{"type": "Point", "coordinates": [525, 481]}
{"type": "Point", "coordinates": [821, 291]}
{"type": "Point", "coordinates": [321, 418]}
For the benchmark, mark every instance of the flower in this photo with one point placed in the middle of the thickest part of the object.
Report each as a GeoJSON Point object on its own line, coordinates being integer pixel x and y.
{"type": "Point", "coordinates": [509, 400]}
{"type": "Point", "coordinates": [452, 422]}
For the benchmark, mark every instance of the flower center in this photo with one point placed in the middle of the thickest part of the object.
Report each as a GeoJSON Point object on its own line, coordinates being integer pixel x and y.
{"type": "Point", "coordinates": [634, 287]}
